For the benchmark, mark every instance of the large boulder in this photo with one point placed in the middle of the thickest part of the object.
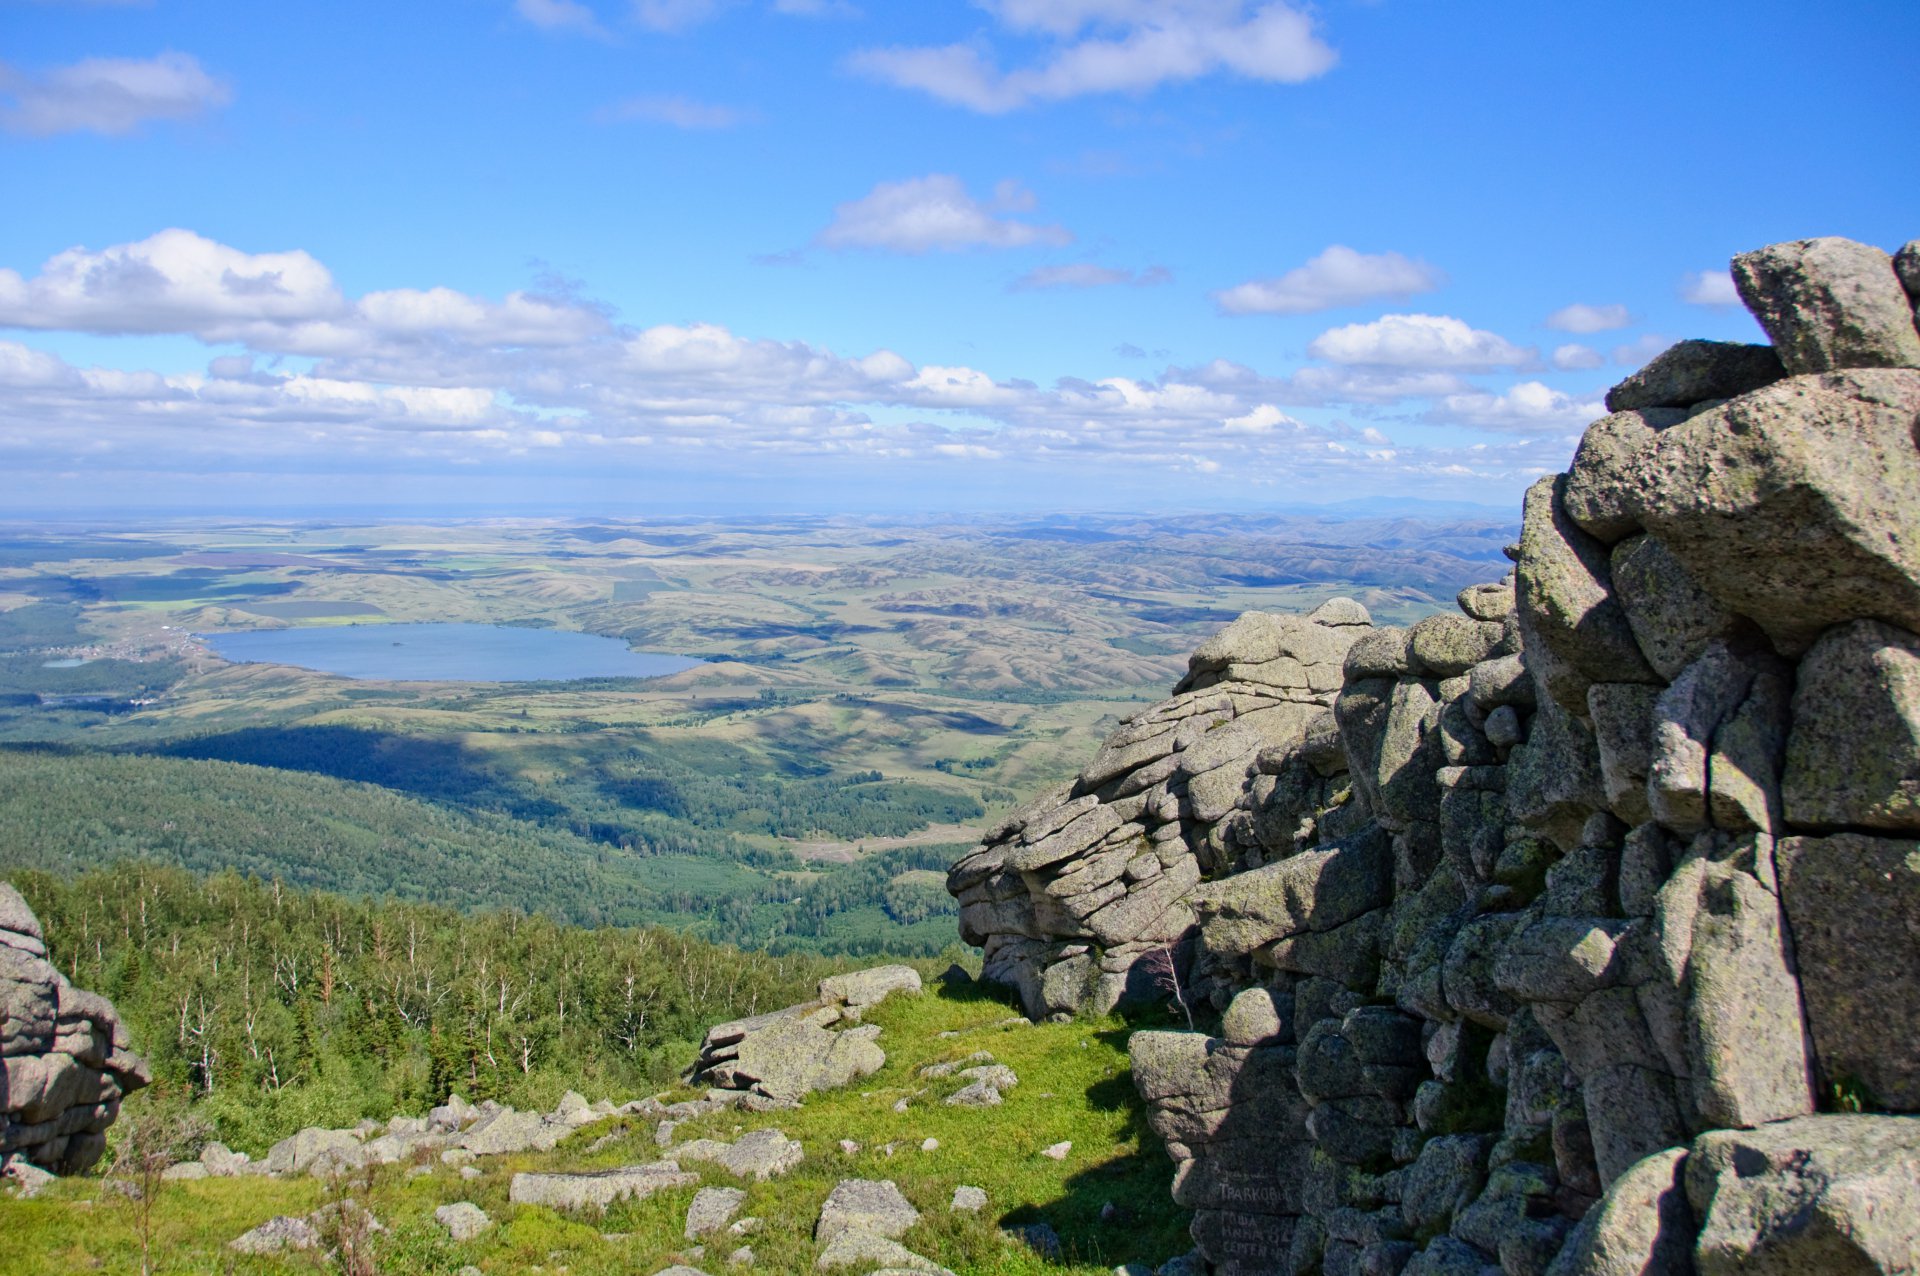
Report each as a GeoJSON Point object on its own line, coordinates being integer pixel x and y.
{"type": "Point", "coordinates": [1793, 505]}
{"type": "Point", "coordinates": [1853, 757]}
{"type": "Point", "coordinates": [1827, 1194]}
{"type": "Point", "coordinates": [1829, 303]}
{"type": "Point", "coordinates": [1690, 372]}
{"type": "Point", "coordinates": [1853, 903]}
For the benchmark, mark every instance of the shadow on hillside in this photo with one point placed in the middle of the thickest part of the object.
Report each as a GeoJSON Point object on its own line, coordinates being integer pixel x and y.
{"type": "Point", "coordinates": [438, 770]}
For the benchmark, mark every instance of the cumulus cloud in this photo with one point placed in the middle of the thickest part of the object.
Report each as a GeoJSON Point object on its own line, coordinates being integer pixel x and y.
{"type": "Point", "coordinates": [920, 214]}
{"type": "Point", "coordinates": [1418, 341]}
{"type": "Point", "coordinates": [1110, 46]}
{"type": "Point", "coordinates": [1527, 406]}
{"type": "Point", "coordinates": [1085, 274]}
{"type": "Point", "coordinates": [112, 96]}
{"type": "Point", "coordinates": [445, 377]}
{"type": "Point", "coordinates": [287, 302]}
{"type": "Point", "coordinates": [680, 112]}
{"type": "Point", "coordinates": [1709, 288]}
{"type": "Point", "coordinates": [1582, 318]}
{"type": "Point", "coordinates": [1574, 357]}
{"type": "Point", "coordinates": [1337, 276]}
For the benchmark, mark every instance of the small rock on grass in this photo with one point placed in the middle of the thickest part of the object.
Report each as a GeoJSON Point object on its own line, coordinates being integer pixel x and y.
{"type": "Point", "coordinates": [742, 1257]}
{"type": "Point", "coordinates": [1038, 1237]}
{"type": "Point", "coordinates": [711, 1209]}
{"type": "Point", "coordinates": [1058, 1151]}
{"type": "Point", "coordinates": [463, 1220]}
{"type": "Point", "coordinates": [968, 1199]}
{"type": "Point", "coordinates": [930, 1145]}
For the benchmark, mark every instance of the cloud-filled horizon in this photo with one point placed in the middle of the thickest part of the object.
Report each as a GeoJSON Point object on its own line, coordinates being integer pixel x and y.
{"type": "Point", "coordinates": [1077, 251]}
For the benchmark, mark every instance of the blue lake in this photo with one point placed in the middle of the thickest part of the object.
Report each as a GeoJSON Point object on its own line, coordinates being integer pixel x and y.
{"type": "Point", "coordinates": [445, 653]}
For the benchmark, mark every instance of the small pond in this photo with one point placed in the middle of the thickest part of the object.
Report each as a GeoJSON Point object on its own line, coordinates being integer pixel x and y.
{"type": "Point", "coordinates": [445, 653]}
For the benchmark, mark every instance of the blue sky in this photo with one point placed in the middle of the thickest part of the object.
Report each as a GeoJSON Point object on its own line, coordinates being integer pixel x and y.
{"type": "Point", "coordinates": [637, 256]}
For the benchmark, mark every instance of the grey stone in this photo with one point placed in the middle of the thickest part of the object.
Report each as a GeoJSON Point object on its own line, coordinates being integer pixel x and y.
{"type": "Point", "coordinates": [1501, 681]}
{"type": "Point", "coordinates": [1853, 903]}
{"type": "Point", "coordinates": [1853, 757]}
{"type": "Point", "coordinates": [794, 1057]}
{"type": "Point", "coordinates": [1503, 729]}
{"type": "Point", "coordinates": [1554, 780]}
{"type": "Point", "coordinates": [1447, 1256]}
{"type": "Point", "coordinates": [1449, 644]}
{"type": "Point", "coordinates": [875, 1254]}
{"type": "Point", "coordinates": [712, 1208]}
{"type": "Point", "coordinates": [1381, 653]}
{"type": "Point", "coordinates": [1672, 618]}
{"type": "Point", "coordinates": [299, 1152]}
{"type": "Point", "coordinates": [16, 916]}
{"type": "Point", "coordinates": [869, 987]}
{"type": "Point", "coordinates": [968, 1199]}
{"type": "Point", "coordinates": [869, 1205]}
{"type": "Point", "coordinates": [1566, 603]}
{"type": "Point", "coordinates": [1313, 891]}
{"type": "Point", "coordinates": [1690, 372]}
{"type": "Point", "coordinates": [597, 1189]}
{"type": "Point", "coordinates": [1444, 1180]}
{"type": "Point", "coordinates": [1687, 719]}
{"type": "Point", "coordinates": [1825, 1194]}
{"type": "Point", "coordinates": [979, 1094]}
{"type": "Point", "coordinates": [282, 1232]}
{"type": "Point", "coordinates": [1255, 1017]}
{"type": "Point", "coordinates": [1906, 264]}
{"type": "Point", "coordinates": [1038, 1237]}
{"type": "Point", "coordinates": [1829, 303]}
{"type": "Point", "coordinates": [463, 1220]}
{"type": "Point", "coordinates": [1825, 465]}
{"type": "Point", "coordinates": [1622, 714]}
{"type": "Point", "coordinates": [1723, 939]}
{"type": "Point", "coordinates": [1603, 463]}
{"type": "Point", "coordinates": [1468, 973]}
{"type": "Point", "coordinates": [1632, 1112]}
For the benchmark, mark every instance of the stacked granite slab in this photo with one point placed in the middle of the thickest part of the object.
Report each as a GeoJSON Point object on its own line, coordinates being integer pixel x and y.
{"type": "Point", "coordinates": [65, 1060]}
{"type": "Point", "coordinates": [1583, 934]}
{"type": "Point", "coordinates": [785, 1054]}
{"type": "Point", "coordinates": [1080, 898]}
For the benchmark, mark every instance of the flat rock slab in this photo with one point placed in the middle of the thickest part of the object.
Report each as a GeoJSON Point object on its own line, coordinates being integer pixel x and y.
{"type": "Point", "coordinates": [869, 1205]}
{"type": "Point", "coordinates": [712, 1209]}
{"type": "Point", "coordinates": [869, 987]}
{"type": "Point", "coordinates": [598, 1189]}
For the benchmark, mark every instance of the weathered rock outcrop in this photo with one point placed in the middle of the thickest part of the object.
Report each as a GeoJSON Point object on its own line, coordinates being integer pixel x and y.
{"type": "Point", "coordinates": [65, 1057]}
{"type": "Point", "coordinates": [1574, 933]}
{"type": "Point", "coordinates": [785, 1054]}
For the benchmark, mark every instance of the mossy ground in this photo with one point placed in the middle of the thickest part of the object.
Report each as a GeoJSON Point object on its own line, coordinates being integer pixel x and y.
{"type": "Point", "coordinates": [1074, 1087]}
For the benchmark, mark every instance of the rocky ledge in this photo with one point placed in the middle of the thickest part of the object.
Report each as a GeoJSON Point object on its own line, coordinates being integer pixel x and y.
{"type": "Point", "coordinates": [1574, 933]}
{"type": "Point", "coordinates": [64, 1055]}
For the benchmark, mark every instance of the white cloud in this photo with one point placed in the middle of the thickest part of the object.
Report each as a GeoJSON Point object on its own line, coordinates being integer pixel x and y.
{"type": "Point", "coordinates": [674, 15]}
{"type": "Point", "coordinates": [680, 112]}
{"type": "Point", "coordinates": [1527, 406]}
{"type": "Point", "coordinates": [935, 212]}
{"type": "Point", "coordinates": [1337, 276]}
{"type": "Point", "coordinates": [108, 95]}
{"type": "Point", "coordinates": [1418, 341]}
{"type": "Point", "coordinates": [1111, 47]}
{"type": "Point", "coordinates": [1637, 352]}
{"type": "Point", "coordinates": [561, 15]}
{"type": "Point", "coordinates": [1709, 288]}
{"type": "Point", "coordinates": [1084, 274]}
{"type": "Point", "coordinates": [286, 302]}
{"type": "Point", "coordinates": [1582, 318]}
{"type": "Point", "coordinates": [1574, 357]}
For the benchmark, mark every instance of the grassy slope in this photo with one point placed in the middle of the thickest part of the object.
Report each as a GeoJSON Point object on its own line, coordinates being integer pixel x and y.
{"type": "Point", "coordinates": [1074, 1086]}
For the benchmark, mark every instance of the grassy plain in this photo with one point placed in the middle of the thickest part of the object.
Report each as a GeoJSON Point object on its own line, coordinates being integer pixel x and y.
{"type": "Point", "coordinates": [970, 664]}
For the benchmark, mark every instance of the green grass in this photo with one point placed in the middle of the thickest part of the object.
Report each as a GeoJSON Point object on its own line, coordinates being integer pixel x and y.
{"type": "Point", "coordinates": [1074, 1086]}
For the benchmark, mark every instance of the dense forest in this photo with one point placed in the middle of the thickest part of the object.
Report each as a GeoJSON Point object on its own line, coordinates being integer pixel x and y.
{"type": "Point", "coordinates": [68, 811]}
{"type": "Point", "coordinates": [273, 1008]}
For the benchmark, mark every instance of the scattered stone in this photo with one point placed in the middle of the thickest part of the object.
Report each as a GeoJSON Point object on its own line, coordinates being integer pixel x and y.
{"type": "Point", "coordinates": [282, 1232]}
{"type": "Point", "coordinates": [1057, 1151]}
{"type": "Point", "coordinates": [742, 1257]}
{"type": "Point", "coordinates": [1853, 756]}
{"type": "Point", "coordinates": [868, 1205]}
{"type": "Point", "coordinates": [930, 1145]}
{"type": "Point", "coordinates": [599, 1188]}
{"type": "Point", "coordinates": [1038, 1237]}
{"type": "Point", "coordinates": [968, 1199]}
{"type": "Point", "coordinates": [711, 1210]}
{"type": "Point", "coordinates": [463, 1220]}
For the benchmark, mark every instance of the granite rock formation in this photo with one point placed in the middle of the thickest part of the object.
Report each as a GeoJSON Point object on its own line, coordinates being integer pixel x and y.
{"type": "Point", "coordinates": [1576, 932]}
{"type": "Point", "coordinates": [65, 1057]}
